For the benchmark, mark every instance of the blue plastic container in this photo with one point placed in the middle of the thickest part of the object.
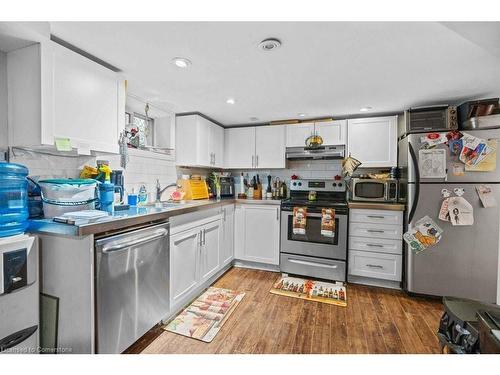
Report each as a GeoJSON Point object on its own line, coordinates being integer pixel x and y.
{"type": "Point", "coordinates": [107, 197]}
{"type": "Point", "coordinates": [13, 199]}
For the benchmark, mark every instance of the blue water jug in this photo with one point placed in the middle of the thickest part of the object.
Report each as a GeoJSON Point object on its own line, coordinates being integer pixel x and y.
{"type": "Point", "coordinates": [13, 199]}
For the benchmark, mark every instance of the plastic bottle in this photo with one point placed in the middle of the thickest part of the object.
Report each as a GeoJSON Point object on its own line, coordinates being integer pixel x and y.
{"type": "Point", "coordinates": [106, 190]}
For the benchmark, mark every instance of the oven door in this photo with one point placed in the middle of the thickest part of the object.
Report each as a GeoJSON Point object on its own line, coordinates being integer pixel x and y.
{"type": "Point", "coordinates": [312, 243]}
{"type": "Point", "coordinates": [369, 190]}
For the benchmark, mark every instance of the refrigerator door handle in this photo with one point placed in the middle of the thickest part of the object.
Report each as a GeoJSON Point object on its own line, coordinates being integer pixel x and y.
{"type": "Point", "coordinates": [417, 182]}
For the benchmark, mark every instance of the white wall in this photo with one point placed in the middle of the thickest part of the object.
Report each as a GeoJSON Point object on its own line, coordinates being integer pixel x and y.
{"type": "Point", "coordinates": [3, 100]}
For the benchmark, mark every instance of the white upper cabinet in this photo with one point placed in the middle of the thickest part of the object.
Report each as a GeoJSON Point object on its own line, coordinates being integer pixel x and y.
{"type": "Point", "coordinates": [198, 142]}
{"type": "Point", "coordinates": [270, 146]}
{"type": "Point", "coordinates": [332, 132]}
{"type": "Point", "coordinates": [55, 92]}
{"type": "Point", "coordinates": [373, 141]}
{"type": "Point", "coordinates": [296, 134]}
{"type": "Point", "coordinates": [239, 147]}
{"type": "Point", "coordinates": [255, 147]}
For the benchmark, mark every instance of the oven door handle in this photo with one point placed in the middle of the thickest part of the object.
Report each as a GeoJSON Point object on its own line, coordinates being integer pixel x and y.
{"type": "Point", "coordinates": [305, 262]}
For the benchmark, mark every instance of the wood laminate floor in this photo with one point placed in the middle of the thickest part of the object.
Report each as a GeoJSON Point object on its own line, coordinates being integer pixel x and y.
{"type": "Point", "coordinates": [376, 320]}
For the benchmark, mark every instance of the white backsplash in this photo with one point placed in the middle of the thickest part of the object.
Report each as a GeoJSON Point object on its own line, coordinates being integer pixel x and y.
{"type": "Point", "coordinates": [140, 170]}
{"type": "Point", "coordinates": [145, 170]}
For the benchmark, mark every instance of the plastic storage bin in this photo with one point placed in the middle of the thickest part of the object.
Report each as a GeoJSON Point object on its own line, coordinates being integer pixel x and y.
{"type": "Point", "coordinates": [13, 199]}
{"type": "Point", "coordinates": [66, 195]}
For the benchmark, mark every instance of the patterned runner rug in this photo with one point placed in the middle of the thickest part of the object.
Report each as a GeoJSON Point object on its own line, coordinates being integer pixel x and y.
{"type": "Point", "coordinates": [204, 318]}
{"type": "Point", "coordinates": [312, 290]}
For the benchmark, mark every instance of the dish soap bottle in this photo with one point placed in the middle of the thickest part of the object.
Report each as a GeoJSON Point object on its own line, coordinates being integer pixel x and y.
{"type": "Point", "coordinates": [142, 197]}
{"type": "Point", "coordinates": [106, 190]}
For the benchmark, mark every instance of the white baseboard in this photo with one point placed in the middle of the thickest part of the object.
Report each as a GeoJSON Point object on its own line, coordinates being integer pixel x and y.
{"type": "Point", "coordinates": [373, 282]}
{"type": "Point", "coordinates": [256, 266]}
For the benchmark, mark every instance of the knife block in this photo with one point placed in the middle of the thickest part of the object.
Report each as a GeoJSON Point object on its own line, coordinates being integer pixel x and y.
{"type": "Point", "coordinates": [257, 193]}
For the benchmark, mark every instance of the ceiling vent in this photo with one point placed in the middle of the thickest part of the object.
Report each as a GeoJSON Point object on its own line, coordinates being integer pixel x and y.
{"type": "Point", "coordinates": [269, 44]}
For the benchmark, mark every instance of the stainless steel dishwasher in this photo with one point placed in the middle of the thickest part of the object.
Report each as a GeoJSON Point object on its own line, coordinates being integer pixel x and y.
{"type": "Point", "coordinates": [132, 285]}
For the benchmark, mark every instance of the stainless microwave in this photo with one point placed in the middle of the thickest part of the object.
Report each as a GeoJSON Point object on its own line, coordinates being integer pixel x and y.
{"type": "Point", "coordinates": [373, 190]}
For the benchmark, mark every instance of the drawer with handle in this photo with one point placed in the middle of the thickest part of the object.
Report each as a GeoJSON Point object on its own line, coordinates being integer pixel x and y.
{"type": "Point", "coordinates": [378, 245]}
{"type": "Point", "coordinates": [394, 232]}
{"type": "Point", "coordinates": [357, 215]}
{"type": "Point", "coordinates": [375, 265]}
{"type": "Point", "coordinates": [313, 267]}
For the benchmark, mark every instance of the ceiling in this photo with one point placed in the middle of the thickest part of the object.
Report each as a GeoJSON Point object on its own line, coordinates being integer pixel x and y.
{"type": "Point", "coordinates": [321, 69]}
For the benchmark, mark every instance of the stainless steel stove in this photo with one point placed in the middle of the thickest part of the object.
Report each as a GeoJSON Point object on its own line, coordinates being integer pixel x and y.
{"type": "Point", "coordinates": [312, 254]}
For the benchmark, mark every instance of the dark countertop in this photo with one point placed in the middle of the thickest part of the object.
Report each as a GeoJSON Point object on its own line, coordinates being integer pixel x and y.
{"type": "Point", "coordinates": [133, 216]}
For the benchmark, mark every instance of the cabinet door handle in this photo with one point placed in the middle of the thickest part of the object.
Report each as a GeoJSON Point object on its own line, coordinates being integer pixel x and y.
{"type": "Point", "coordinates": [375, 266]}
{"type": "Point", "coordinates": [253, 161]}
{"type": "Point", "coordinates": [375, 216]}
{"type": "Point", "coordinates": [375, 231]}
{"type": "Point", "coordinates": [257, 161]}
{"type": "Point", "coordinates": [374, 245]}
{"type": "Point", "coordinates": [214, 158]}
{"type": "Point", "coordinates": [277, 213]}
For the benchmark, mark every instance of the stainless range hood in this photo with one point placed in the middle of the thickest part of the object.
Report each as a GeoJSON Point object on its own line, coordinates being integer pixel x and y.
{"type": "Point", "coordinates": [315, 153]}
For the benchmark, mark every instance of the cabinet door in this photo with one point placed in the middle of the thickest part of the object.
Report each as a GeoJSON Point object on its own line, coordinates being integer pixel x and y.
{"type": "Point", "coordinates": [297, 134]}
{"type": "Point", "coordinates": [211, 244]}
{"type": "Point", "coordinates": [258, 234]}
{"type": "Point", "coordinates": [217, 145]}
{"type": "Point", "coordinates": [87, 101]}
{"type": "Point", "coordinates": [332, 132]}
{"type": "Point", "coordinates": [270, 146]}
{"type": "Point", "coordinates": [204, 138]}
{"type": "Point", "coordinates": [239, 147]}
{"type": "Point", "coordinates": [227, 251]}
{"type": "Point", "coordinates": [184, 258]}
{"type": "Point", "coordinates": [373, 141]}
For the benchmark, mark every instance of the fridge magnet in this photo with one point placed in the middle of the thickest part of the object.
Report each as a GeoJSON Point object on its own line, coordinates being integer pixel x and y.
{"type": "Point", "coordinates": [472, 148]}
{"type": "Point", "coordinates": [328, 222]}
{"type": "Point", "coordinates": [461, 212]}
{"type": "Point", "coordinates": [454, 135]}
{"type": "Point", "coordinates": [433, 139]}
{"type": "Point", "coordinates": [459, 191]}
{"type": "Point", "coordinates": [486, 196]}
{"type": "Point", "coordinates": [299, 220]}
{"type": "Point", "coordinates": [426, 233]}
{"type": "Point", "coordinates": [487, 161]}
{"type": "Point", "coordinates": [455, 146]}
{"type": "Point", "coordinates": [444, 213]}
{"type": "Point", "coordinates": [445, 193]}
{"type": "Point", "coordinates": [432, 163]}
{"type": "Point", "coordinates": [458, 169]}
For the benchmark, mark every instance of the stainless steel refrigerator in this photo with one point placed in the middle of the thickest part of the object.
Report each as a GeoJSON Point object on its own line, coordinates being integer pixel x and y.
{"type": "Point", "coordinates": [465, 263]}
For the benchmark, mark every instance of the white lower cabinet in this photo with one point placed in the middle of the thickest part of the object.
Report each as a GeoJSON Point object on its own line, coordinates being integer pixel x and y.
{"type": "Point", "coordinates": [227, 248]}
{"type": "Point", "coordinates": [375, 247]}
{"type": "Point", "coordinates": [209, 250]}
{"type": "Point", "coordinates": [201, 245]}
{"type": "Point", "coordinates": [184, 259]}
{"type": "Point", "coordinates": [257, 233]}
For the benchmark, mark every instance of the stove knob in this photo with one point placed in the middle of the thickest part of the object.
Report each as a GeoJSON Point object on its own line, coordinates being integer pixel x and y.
{"type": "Point", "coordinates": [300, 183]}
{"type": "Point", "coordinates": [340, 184]}
{"type": "Point", "coordinates": [294, 184]}
{"type": "Point", "coordinates": [334, 184]}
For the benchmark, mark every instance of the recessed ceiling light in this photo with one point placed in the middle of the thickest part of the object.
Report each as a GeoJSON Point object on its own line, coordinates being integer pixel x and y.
{"type": "Point", "coordinates": [254, 118]}
{"type": "Point", "coordinates": [301, 114]}
{"type": "Point", "coordinates": [365, 109]}
{"type": "Point", "coordinates": [230, 101]}
{"type": "Point", "coordinates": [269, 44]}
{"type": "Point", "coordinates": [181, 62]}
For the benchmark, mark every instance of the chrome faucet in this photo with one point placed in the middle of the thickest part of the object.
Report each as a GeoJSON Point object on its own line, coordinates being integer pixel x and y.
{"type": "Point", "coordinates": [159, 190]}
